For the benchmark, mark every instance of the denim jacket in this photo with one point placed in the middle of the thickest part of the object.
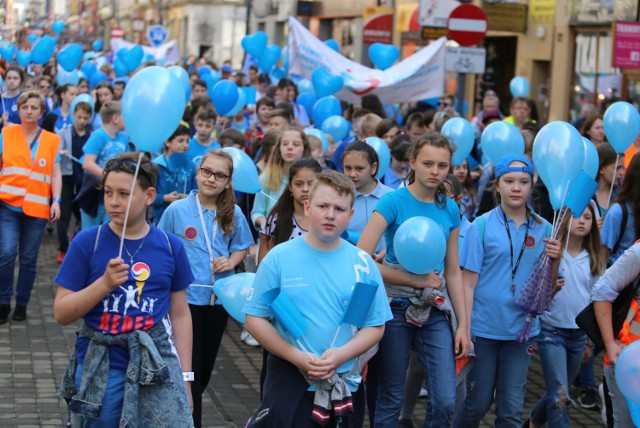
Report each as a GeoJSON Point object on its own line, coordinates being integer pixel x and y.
{"type": "Point", "coordinates": [151, 362]}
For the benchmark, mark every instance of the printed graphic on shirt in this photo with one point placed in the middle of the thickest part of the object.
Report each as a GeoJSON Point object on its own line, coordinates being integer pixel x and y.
{"type": "Point", "coordinates": [191, 233]}
{"type": "Point", "coordinates": [530, 242]}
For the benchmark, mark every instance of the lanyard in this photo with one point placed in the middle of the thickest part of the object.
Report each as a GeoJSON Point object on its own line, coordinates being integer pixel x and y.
{"type": "Point", "coordinates": [514, 269]}
{"type": "Point", "coordinates": [206, 236]}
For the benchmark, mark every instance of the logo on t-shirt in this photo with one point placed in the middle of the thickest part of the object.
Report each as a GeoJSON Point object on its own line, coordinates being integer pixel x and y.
{"type": "Point", "coordinates": [530, 242]}
{"type": "Point", "coordinates": [191, 233]}
{"type": "Point", "coordinates": [140, 272]}
{"type": "Point", "coordinates": [42, 162]}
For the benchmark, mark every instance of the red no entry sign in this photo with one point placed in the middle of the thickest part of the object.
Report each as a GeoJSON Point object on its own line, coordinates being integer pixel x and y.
{"type": "Point", "coordinates": [467, 25]}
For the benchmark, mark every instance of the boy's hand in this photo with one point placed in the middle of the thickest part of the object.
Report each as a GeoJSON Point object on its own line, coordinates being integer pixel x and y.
{"type": "Point", "coordinates": [553, 248]}
{"type": "Point", "coordinates": [430, 280]}
{"type": "Point", "coordinates": [222, 264]}
{"type": "Point", "coordinates": [462, 342]}
{"type": "Point", "coordinates": [171, 197]}
{"type": "Point", "coordinates": [116, 273]}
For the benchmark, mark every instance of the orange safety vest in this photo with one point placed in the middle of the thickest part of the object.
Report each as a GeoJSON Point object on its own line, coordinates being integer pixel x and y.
{"type": "Point", "coordinates": [25, 182]}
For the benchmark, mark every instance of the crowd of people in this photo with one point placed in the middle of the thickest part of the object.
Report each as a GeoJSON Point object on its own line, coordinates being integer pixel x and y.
{"type": "Point", "coordinates": [324, 219]}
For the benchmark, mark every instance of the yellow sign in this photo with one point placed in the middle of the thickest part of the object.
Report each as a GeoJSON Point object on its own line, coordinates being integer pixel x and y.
{"type": "Point", "coordinates": [506, 16]}
{"type": "Point", "coordinates": [542, 11]}
{"type": "Point", "coordinates": [433, 33]}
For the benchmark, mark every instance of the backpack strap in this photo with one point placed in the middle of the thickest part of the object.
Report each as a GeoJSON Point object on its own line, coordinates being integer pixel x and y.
{"type": "Point", "coordinates": [623, 226]}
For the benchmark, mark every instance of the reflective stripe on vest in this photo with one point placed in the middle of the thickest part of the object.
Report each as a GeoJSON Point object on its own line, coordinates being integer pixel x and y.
{"type": "Point", "coordinates": [41, 177]}
{"type": "Point", "coordinates": [37, 199]}
{"type": "Point", "coordinates": [15, 170]}
{"type": "Point", "coordinates": [18, 191]}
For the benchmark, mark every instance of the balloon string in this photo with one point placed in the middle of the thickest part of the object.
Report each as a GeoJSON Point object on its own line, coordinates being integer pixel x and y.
{"type": "Point", "coordinates": [566, 246]}
{"type": "Point", "coordinates": [304, 349]}
{"type": "Point", "coordinates": [126, 214]}
{"type": "Point", "coordinates": [613, 180]}
{"type": "Point", "coordinates": [333, 342]}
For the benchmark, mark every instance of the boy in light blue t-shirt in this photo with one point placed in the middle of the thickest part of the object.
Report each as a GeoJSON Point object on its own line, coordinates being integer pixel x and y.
{"type": "Point", "coordinates": [321, 291]}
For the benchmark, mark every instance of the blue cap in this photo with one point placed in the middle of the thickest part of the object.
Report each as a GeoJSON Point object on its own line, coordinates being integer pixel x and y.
{"type": "Point", "coordinates": [226, 68]}
{"type": "Point", "coordinates": [502, 167]}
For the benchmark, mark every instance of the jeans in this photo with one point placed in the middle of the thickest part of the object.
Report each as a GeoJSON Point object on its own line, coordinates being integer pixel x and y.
{"type": "Point", "coordinates": [501, 368]}
{"type": "Point", "coordinates": [90, 221]}
{"type": "Point", "coordinates": [621, 416]}
{"type": "Point", "coordinates": [561, 351]}
{"type": "Point", "coordinates": [111, 405]}
{"type": "Point", "coordinates": [433, 344]}
{"type": "Point", "coordinates": [19, 233]}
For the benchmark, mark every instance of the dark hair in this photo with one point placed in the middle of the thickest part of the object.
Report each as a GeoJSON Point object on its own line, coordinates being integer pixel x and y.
{"type": "Point", "coordinates": [180, 130]}
{"type": "Point", "coordinates": [281, 216]}
{"type": "Point", "coordinates": [127, 162]}
{"type": "Point", "coordinates": [281, 112]}
{"type": "Point", "coordinates": [385, 126]}
{"type": "Point", "coordinates": [17, 69]}
{"type": "Point", "coordinates": [83, 106]}
{"type": "Point", "coordinates": [630, 191]}
{"type": "Point", "coordinates": [199, 82]}
{"type": "Point", "coordinates": [100, 86]}
{"type": "Point", "coordinates": [265, 101]}
{"type": "Point", "coordinates": [370, 154]}
{"type": "Point", "coordinates": [607, 156]}
{"type": "Point", "coordinates": [400, 147]}
{"type": "Point", "coordinates": [360, 113]}
{"type": "Point", "coordinates": [434, 140]}
{"type": "Point", "coordinates": [588, 123]}
{"type": "Point", "coordinates": [454, 183]}
{"type": "Point", "coordinates": [206, 115]}
{"type": "Point", "coordinates": [264, 78]}
{"type": "Point", "coordinates": [372, 103]}
{"type": "Point", "coordinates": [120, 82]}
{"type": "Point", "coordinates": [415, 118]}
{"type": "Point", "coordinates": [264, 143]}
{"type": "Point", "coordinates": [284, 83]}
{"type": "Point", "coordinates": [231, 136]}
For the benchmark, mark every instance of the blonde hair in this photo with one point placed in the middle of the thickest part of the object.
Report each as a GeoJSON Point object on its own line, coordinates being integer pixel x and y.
{"type": "Point", "coordinates": [369, 124]}
{"type": "Point", "coordinates": [109, 110]}
{"type": "Point", "coordinates": [276, 170]}
{"type": "Point", "coordinates": [226, 202]}
{"type": "Point", "coordinates": [30, 95]}
{"type": "Point", "coordinates": [338, 182]}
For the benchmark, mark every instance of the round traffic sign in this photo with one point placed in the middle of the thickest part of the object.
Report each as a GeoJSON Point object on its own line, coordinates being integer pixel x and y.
{"type": "Point", "coordinates": [117, 32]}
{"type": "Point", "coordinates": [467, 25]}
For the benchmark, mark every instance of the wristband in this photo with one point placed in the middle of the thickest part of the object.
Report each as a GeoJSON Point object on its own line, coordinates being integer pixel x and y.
{"type": "Point", "coordinates": [188, 376]}
{"type": "Point", "coordinates": [57, 199]}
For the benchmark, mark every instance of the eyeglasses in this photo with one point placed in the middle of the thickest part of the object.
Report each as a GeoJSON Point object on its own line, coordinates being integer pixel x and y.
{"type": "Point", "coordinates": [128, 166]}
{"type": "Point", "coordinates": [207, 173]}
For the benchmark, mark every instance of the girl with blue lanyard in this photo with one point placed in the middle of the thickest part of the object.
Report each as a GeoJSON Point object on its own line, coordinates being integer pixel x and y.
{"type": "Point", "coordinates": [498, 254]}
{"type": "Point", "coordinates": [422, 305]}
{"type": "Point", "coordinates": [216, 236]}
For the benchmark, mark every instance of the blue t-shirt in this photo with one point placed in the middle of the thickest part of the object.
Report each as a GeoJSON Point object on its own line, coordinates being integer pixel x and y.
{"type": "Point", "coordinates": [242, 127]}
{"type": "Point", "coordinates": [181, 218]}
{"type": "Point", "coordinates": [10, 105]}
{"type": "Point", "coordinates": [62, 121]}
{"type": "Point", "coordinates": [363, 207]}
{"type": "Point", "coordinates": [171, 178]}
{"type": "Point", "coordinates": [390, 179]}
{"type": "Point", "coordinates": [319, 284]}
{"type": "Point", "coordinates": [105, 147]}
{"type": "Point", "coordinates": [400, 205]}
{"type": "Point", "coordinates": [495, 314]}
{"type": "Point", "coordinates": [159, 268]}
{"type": "Point", "coordinates": [197, 150]}
{"type": "Point", "coordinates": [610, 232]}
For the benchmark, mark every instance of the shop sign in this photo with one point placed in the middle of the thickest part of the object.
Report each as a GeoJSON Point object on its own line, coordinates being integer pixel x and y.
{"type": "Point", "coordinates": [378, 25]}
{"type": "Point", "coordinates": [433, 33]}
{"type": "Point", "coordinates": [626, 44]}
{"type": "Point", "coordinates": [542, 11]}
{"type": "Point", "coordinates": [434, 13]}
{"type": "Point", "coordinates": [602, 11]}
{"type": "Point", "coordinates": [506, 16]}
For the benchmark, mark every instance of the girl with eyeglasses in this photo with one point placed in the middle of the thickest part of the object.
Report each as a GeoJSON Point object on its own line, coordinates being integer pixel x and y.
{"type": "Point", "coordinates": [216, 235]}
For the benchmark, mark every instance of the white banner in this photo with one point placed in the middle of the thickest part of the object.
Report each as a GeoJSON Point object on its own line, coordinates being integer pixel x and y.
{"type": "Point", "coordinates": [168, 51]}
{"type": "Point", "coordinates": [416, 78]}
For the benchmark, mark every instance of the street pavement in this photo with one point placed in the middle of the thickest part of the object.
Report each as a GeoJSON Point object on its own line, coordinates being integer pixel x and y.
{"type": "Point", "coordinates": [34, 355]}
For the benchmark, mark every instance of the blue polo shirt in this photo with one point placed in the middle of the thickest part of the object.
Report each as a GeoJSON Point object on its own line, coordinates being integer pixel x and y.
{"type": "Point", "coordinates": [197, 150]}
{"type": "Point", "coordinates": [495, 314]}
{"type": "Point", "coordinates": [363, 207]}
{"type": "Point", "coordinates": [182, 219]}
{"type": "Point", "coordinates": [105, 147]}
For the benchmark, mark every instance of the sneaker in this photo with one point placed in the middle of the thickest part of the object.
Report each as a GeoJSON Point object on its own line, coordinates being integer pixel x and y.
{"type": "Point", "coordinates": [248, 339]}
{"type": "Point", "coordinates": [60, 257]}
{"type": "Point", "coordinates": [50, 227]}
{"type": "Point", "coordinates": [405, 423]}
{"type": "Point", "coordinates": [423, 392]}
{"type": "Point", "coordinates": [4, 313]}
{"type": "Point", "coordinates": [20, 313]}
{"type": "Point", "coordinates": [603, 414]}
{"type": "Point", "coordinates": [588, 399]}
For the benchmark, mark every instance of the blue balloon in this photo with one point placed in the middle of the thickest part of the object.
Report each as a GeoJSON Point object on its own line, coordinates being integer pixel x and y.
{"type": "Point", "coordinates": [225, 96]}
{"type": "Point", "coordinates": [420, 245]}
{"type": "Point", "coordinates": [269, 57]}
{"type": "Point", "coordinates": [97, 78]}
{"type": "Point", "coordinates": [285, 59]}
{"type": "Point", "coordinates": [333, 44]}
{"type": "Point", "coordinates": [519, 87]}
{"type": "Point", "coordinates": [245, 175]}
{"type": "Point", "coordinates": [7, 52]}
{"type": "Point", "coordinates": [255, 43]}
{"type": "Point", "coordinates": [621, 124]}
{"type": "Point", "coordinates": [120, 68]}
{"type": "Point", "coordinates": [211, 80]}
{"type": "Point", "coordinates": [63, 77]}
{"type": "Point", "coordinates": [70, 57]}
{"type": "Point", "coordinates": [325, 83]}
{"type": "Point", "coordinates": [384, 155]}
{"type": "Point", "coordinates": [287, 315]}
{"type": "Point", "coordinates": [627, 371]}
{"type": "Point", "coordinates": [240, 104]}
{"type": "Point", "coordinates": [233, 292]}
{"type": "Point", "coordinates": [181, 74]}
{"type": "Point", "coordinates": [23, 58]}
{"type": "Point", "coordinates": [591, 163]}
{"type": "Point", "coordinates": [278, 73]}
{"type": "Point", "coordinates": [89, 55]}
{"type": "Point", "coordinates": [336, 126]}
{"type": "Point", "coordinates": [131, 57]}
{"type": "Point", "coordinates": [204, 70]}
{"type": "Point", "coordinates": [82, 98]}
{"type": "Point", "coordinates": [325, 108]}
{"type": "Point", "coordinates": [499, 139]}
{"type": "Point", "coordinates": [306, 87]}
{"type": "Point", "coordinates": [152, 107]}
{"type": "Point", "coordinates": [634, 411]}
{"type": "Point", "coordinates": [89, 68]}
{"type": "Point", "coordinates": [582, 190]}
{"type": "Point", "coordinates": [43, 49]}
{"type": "Point", "coordinates": [57, 26]}
{"type": "Point", "coordinates": [320, 135]}
{"type": "Point", "coordinates": [97, 45]}
{"type": "Point", "coordinates": [32, 38]}
{"type": "Point", "coordinates": [307, 101]}
{"type": "Point", "coordinates": [383, 56]}
{"type": "Point", "coordinates": [558, 155]}
{"type": "Point", "coordinates": [460, 133]}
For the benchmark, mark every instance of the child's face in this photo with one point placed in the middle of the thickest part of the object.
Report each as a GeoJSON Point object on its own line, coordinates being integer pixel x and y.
{"type": "Point", "coordinates": [431, 166]}
{"type": "Point", "coordinates": [317, 153]}
{"type": "Point", "coordinates": [68, 96]}
{"type": "Point", "coordinates": [400, 168]}
{"type": "Point", "coordinates": [28, 85]}
{"type": "Point", "coordinates": [581, 226]}
{"type": "Point", "coordinates": [610, 174]}
{"type": "Point", "coordinates": [104, 95]}
{"type": "Point", "coordinates": [388, 136]}
{"type": "Point", "coordinates": [301, 184]}
{"type": "Point", "coordinates": [117, 188]}
{"type": "Point", "coordinates": [198, 91]}
{"type": "Point", "coordinates": [357, 167]}
{"type": "Point", "coordinates": [461, 171]}
{"type": "Point", "coordinates": [291, 146]}
{"type": "Point", "coordinates": [83, 87]}
{"type": "Point", "coordinates": [240, 115]}
{"type": "Point", "coordinates": [13, 81]}
{"type": "Point", "coordinates": [204, 129]}
{"type": "Point", "coordinates": [211, 187]}
{"type": "Point", "coordinates": [117, 120]}
{"type": "Point", "coordinates": [329, 213]}
{"type": "Point", "coordinates": [263, 113]}
{"type": "Point", "coordinates": [81, 119]}
{"type": "Point", "coordinates": [282, 94]}
{"type": "Point", "coordinates": [179, 144]}
{"type": "Point", "coordinates": [416, 131]}
{"type": "Point", "coordinates": [278, 123]}
{"type": "Point", "coordinates": [514, 188]}
{"type": "Point", "coordinates": [118, 90]}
